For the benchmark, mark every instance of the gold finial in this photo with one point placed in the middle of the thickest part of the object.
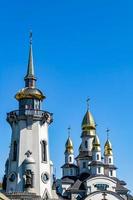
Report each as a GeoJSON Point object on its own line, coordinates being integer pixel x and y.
{"type": "Point", "coordinates": [88, 105]}
{"type": "Point", "coordinates": [107, 131]}
{"type": "Point", "coordinates": [69, 131]}
{"type": "Point", "coordinates": [108, 146]}
{"type": "Point", "coordinates": [69, 144]}
{"type": "Point", "coordinates": [30, 36]}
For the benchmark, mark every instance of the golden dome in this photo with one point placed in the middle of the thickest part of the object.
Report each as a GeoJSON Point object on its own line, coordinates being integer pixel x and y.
{"type": "Point", "coordinates": [96, 144]}
{"type": "Point", "coordinates": [69, 146]}
{"type": "Point", "coordinates": [88, 122]}
{"type": "Point", "coordinates": [29, 93]}
{"type": "Point", "coordinates": [108, 149]}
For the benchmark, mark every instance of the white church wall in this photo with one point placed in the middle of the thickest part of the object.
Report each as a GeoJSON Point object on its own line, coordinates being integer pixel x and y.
{"type": "Point", "coordinates": [91, 183]}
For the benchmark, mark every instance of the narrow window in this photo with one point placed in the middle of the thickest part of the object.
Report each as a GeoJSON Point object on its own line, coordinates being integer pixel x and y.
{"type": "Point", "coordinates": [14, 151]}
{"type": "Point", "coordinates": [86, 144]}
{"type": "Point", "coordinates": [97, 156]}
{"type": "Point", "coordinates": [70, 159]}
{"type": "Point", "coordinates": [84, 164]}
{"type": "Point", "coordinates": [44, 151]}
{"type": "Point", "coordinates": [111, 173]}
{"type": "Point", "coordinates": [71, 172]}
{"type": "Point", "coordinates": [99, 170]}
{"type": "Point", "coordinates": [109, 160]}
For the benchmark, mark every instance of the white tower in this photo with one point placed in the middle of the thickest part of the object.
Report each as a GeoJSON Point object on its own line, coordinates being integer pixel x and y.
{"type": "Point", "coordinates": [85, 150]}
{"type": "Point", "coordinates": [110, 169]}
{"type": "Point", "coordinates": [69, 168]}
{"type": "Point", "coordinates": [29, 159]}
{"type": "Point", "coordinates": [97, 166]}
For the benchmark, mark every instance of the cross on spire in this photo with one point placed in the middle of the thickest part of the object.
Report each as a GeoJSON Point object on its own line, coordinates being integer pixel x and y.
{"type": "Point", "coordinates": [69, 131]}
{"type": "Point", "coordinates": [88, 105]}
{"type": "Point", "coordinates": [107, 131]}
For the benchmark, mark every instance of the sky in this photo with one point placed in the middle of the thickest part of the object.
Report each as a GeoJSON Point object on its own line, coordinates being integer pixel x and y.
{"type": "Point", "coordinates": [81, 49]}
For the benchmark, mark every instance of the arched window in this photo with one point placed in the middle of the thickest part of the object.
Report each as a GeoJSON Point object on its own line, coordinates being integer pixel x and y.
{"type": "Point", "coordinates": [44, 150]}
{"type": "Point", "coordinates": [70, 159]}
{"type": "Point", "coordinates": [109, 160]}
{"type": "Point", "coordinates": [86, 144]}
{"type": "Point", "coordinates": [97, 156]}
{"type": "Point", "coordinates": [14, 151]}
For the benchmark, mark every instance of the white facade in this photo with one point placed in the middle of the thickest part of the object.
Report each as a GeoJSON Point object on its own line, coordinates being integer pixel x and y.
{"type": "Point", "coordinates": [29, 140]}
{"type": "Point", "coordinates": [100, 195]}
{"type": "Point", "coordinates": [100, 180]}
{"type": "Point", "coordinates": [29, 167]}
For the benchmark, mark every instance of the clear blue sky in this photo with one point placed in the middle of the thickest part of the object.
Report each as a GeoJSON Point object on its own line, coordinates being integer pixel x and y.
{"type": "Point", "coordinates": [81, 48]}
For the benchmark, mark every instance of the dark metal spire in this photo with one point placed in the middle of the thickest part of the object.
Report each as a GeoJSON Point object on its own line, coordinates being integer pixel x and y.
{"type": "Point", "coordinates": [30, 77]}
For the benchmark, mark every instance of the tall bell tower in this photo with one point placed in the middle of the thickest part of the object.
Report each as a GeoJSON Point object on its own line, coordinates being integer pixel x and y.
{"type": "Point", "coordinates": [28, 168]}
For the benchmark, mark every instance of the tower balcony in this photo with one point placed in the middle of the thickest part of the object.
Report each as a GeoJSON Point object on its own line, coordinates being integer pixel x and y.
{"type": "Point", "coordinates": [40, 115]}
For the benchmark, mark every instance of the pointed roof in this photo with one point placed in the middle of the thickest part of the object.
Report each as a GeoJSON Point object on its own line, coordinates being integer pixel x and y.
{"type": "Point", "coordinates": [96, 144]}
{"type": "Point", "coordinates": [30, 69]}
{"type": "Point", "coordinates": [69, 146]}
{"type": "Point", "coordinates": [88, 121]}
{"type": "Point", "coordinates": [108, 148]}
{"type": "Point", "coordinates": [30, 91]}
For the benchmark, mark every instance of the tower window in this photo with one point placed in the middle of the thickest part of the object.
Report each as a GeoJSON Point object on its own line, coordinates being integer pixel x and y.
{"type": "Point", "coordinates": [97, 156]}
{"type": "Point", "coordinates": [44, 150]}
{"type": "Point", "coordinates": [86, 144]}
{"type": "Point", "coordinates": [99, 170]}
{"type": "Point", "coordinates": [109, 160]}
{"type": "Point", "coordinates": [71, 172]}
{"type": "Point", "coordinates": [70, 159]}
{"type": "Point", "coordinates": [111, 173]}
{"type": "Point", "coordinates": [84, 164]}
{"type": "Point", "coordinates": [14, 151]}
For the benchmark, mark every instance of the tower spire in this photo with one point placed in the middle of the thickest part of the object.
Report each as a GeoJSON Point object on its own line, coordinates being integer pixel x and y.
{"type": "Point", "coordinates": [30, 77]}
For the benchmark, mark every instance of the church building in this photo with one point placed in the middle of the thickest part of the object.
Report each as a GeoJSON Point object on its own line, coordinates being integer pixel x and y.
{"type": "Point", "coordinates": [29, 169]}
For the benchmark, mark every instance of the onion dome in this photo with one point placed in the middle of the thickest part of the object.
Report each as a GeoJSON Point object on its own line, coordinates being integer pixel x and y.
{"type": "Point", "coordinates": [88, 121]}
{"type": "Point", "coordinates": [69, 146]}
{"type": "Point", "coordinates": [108, 148]}
{"type": "Point", "coordinates": [96, 144]}
{"type": "Point", "coordinates": [88, 125]}
{"type": "Point", "coordinates": [29, 93]}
